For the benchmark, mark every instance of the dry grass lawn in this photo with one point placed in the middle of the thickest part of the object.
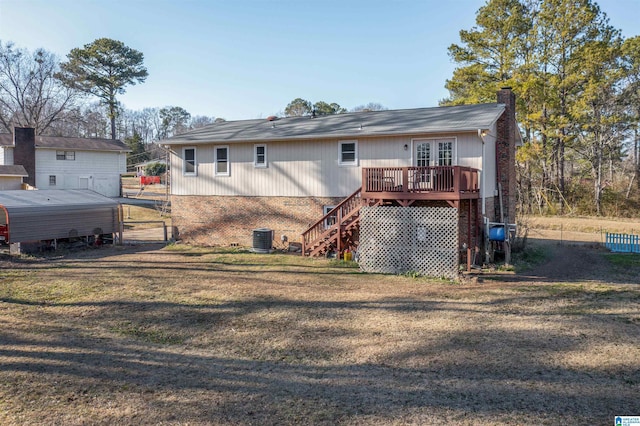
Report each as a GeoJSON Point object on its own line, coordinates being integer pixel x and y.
{"type": "Point", "coordinates": [142, 335]}
{"type": "Point", "coordinates": [579, 229]}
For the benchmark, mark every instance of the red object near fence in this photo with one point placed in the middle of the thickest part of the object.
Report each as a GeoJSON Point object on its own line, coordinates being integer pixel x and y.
{"type": "Point", "coordinates": [4, 233]}
{"type": "Point", "coordinates": [149, 180]}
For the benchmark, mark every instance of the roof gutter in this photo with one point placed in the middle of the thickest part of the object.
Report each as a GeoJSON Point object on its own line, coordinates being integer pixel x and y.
{"type": "Point", "coordinates": [315, 138]}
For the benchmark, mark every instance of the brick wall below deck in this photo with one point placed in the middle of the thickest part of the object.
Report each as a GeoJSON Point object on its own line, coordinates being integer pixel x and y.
{"type": "Point", "coordinates": [229, 220]}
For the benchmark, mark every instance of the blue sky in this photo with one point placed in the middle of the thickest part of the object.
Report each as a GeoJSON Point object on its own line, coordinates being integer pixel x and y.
{"type": "Point", "coordinates": [243, 59]}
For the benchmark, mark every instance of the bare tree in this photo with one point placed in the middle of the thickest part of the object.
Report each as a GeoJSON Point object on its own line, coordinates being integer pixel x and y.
{"type": "Point", "coordinates": [149, 124]}
{"type": "Point", "coordinates": [371, 106]}
{"type": "Point", "coordinates": [200, 121]}
{"type": "Point", "coordinates": [30, 93]}
{"type": "Point", "coordinates": [95, 122]}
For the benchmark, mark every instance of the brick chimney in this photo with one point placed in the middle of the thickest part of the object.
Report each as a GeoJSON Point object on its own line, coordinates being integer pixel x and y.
{"type": "Point", "coordinates": [24, 151]}
{"type": "Point", "coordinates": [506, 155]}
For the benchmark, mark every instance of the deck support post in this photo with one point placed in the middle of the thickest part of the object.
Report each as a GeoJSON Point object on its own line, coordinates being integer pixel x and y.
{"type": "Point", "coordinates": [469, 236]}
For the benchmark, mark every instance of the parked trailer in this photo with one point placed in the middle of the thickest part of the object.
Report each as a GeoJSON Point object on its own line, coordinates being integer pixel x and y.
{"type": "Point", "coordinates": [52, 215]}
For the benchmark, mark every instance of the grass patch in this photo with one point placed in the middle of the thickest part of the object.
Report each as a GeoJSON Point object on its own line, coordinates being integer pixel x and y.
{"type": "Point", "coordinates": [624, 260]}
{"type": "Point", "coordinates": [340, 263]}
{"type": "Point", "coordinates": [200, 335]}
{"type": "Point", "coordinates": [528, 258]}
{"type": "Point", "coordinates": [275, 260]}
{"type": "Point", "coordinates": [142, 212]}
{"type": "Point", "coordinates": [565, 290]}
{"type": "Point", "coordinates": [147, 334]}
{"type": "Point", "coordinates": [29, 290]}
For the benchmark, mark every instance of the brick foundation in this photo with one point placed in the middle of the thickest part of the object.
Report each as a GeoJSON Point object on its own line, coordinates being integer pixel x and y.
{"type": "Point", "coordinates": [476, 224]}
{"type": "Point", "coordinates": [230, 220]}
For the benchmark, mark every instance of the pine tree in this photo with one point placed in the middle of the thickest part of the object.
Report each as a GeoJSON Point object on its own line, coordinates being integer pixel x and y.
{"type": "Point", "coordinates": [104, 68]}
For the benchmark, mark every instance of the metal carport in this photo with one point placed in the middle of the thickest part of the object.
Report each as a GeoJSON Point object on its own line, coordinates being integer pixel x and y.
{"type": "Point", "coordinates": [57, 214]}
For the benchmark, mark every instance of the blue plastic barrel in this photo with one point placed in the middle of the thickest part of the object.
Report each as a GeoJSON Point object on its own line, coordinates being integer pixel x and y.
{"type": "Point", "coordinates": [496, 233]}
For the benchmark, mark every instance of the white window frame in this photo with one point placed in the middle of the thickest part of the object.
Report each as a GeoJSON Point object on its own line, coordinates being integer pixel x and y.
{"type": "Point", "coordinates": [439, 151]}
{"type": "Point", "coordinates": [66, 155]}
{"type": "Point", "coordinates": [331, 220]}
{"type": "Point", "coordinates": [355, 159]}
{"type": "Point", "coordinates": [184, 161]}
{"type": "Point", "coordinates": [215, 160]}
{"type": "Point", "coordinates": [256, 164]}
{"type": "Point", "coordinates": [435, 153]}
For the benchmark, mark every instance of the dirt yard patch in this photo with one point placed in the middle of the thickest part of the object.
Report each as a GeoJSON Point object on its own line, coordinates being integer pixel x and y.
{"type": "Point", "coordinates": [143, 335]}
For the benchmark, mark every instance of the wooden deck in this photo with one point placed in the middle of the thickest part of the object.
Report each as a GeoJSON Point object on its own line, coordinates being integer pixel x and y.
{"type": "Point", "coordinates": [409, 184]}
{"type": "Point", "coordinates": [338, 229]}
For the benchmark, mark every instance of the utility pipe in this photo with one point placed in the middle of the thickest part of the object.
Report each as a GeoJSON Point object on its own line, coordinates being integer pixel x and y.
{"type": "Point", "coordinates": [483, 188]}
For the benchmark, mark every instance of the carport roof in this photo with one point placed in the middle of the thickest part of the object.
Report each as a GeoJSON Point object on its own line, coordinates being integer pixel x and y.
{"type": "Point", "coordinates": [42, 199]}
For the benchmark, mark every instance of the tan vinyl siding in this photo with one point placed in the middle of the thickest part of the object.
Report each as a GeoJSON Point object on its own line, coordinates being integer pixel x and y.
{"type": "Point", "coordinates": [302, 169]}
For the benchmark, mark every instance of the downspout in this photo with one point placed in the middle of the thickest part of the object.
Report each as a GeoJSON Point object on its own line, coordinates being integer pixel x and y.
{"type": "Point", "coordinates": [499, 182]}
{"type": "Point", "coordinates": [481, 135]}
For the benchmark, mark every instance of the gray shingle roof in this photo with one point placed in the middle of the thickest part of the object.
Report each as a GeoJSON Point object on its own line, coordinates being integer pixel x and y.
{"type": "Point", "coordinates": [12, 170]}
{"type": "Point", "coordinates": [60, 142]}
{"type": "Point", "coordinates": [463, 118]}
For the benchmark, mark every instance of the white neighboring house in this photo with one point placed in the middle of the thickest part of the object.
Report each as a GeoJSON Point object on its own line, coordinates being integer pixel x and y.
{"type": "Point", "coordinates": [55, 162]}
{"type": "Point", "coordinates": [11, 177]}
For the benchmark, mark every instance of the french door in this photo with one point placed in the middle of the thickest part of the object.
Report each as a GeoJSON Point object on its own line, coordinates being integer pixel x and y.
{"type": "Point", "coordinates": [430, 153]}
{"type": "Point", "coordinates": [433, 152]}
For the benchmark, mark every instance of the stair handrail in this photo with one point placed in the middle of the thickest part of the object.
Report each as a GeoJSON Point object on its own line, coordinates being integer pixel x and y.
{"type": "Point", "coordinates": [318, 231]}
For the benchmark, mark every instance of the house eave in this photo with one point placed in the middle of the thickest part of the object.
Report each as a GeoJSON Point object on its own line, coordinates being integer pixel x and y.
{"type": "Point", "coordinates": [378, 124]}
{"type": "Point", "coordinates": [318, 137]}
{"type": "Point", "coordinates": [67, 148]}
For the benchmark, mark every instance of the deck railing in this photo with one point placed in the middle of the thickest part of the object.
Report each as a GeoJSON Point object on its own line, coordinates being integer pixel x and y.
{"type": "Point", "coordinates": [419, 180]}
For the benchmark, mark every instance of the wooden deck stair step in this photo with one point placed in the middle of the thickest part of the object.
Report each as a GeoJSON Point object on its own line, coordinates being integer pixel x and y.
{"type": "Point", "coordinates": [319, 238]}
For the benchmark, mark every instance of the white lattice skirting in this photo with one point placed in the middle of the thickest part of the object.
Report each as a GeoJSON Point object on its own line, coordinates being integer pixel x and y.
{"type": "Point", "coordinates": [397, 240]}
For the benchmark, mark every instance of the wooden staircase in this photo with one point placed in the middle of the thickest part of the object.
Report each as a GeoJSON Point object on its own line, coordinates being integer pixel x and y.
{"type": "Point", "coordinates": [335, 231]}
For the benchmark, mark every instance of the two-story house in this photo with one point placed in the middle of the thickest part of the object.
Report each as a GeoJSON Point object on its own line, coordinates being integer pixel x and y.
{"type": "Point", "coordinates": [54, 162]}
